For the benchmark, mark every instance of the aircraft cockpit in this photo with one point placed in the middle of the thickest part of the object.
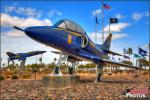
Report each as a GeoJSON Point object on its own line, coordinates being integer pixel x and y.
{"type": "Point", "coordinates": [70, 25]}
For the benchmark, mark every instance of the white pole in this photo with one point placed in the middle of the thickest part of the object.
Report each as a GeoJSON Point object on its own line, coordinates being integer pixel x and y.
{"type": "Point", "coordinates": [0, 65]}
{"type": "Point", "coordinates": [109, 25]}
{"type": "Point", "coordinates": [102, 22]}
{"type": "Point", "coordinates": [96, 29]}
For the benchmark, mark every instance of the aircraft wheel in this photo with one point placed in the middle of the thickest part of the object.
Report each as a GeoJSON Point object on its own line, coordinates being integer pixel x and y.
{"type": "Point", "coordinates": [70, 70]}
{"type": "Point", "coordinates": [56, 70]}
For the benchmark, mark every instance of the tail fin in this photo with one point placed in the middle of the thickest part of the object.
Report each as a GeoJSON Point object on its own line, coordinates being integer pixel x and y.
{"type": "Point", "coordinates": [106, 44]}
{"type": "Point", "coordinates": [10, 54]}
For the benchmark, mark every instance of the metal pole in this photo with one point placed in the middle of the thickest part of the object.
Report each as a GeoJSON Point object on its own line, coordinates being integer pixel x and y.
{"type": "Point", "coordinates": [8, 62]}
{"type": "Point", "coordinates": [102, 22]}
{"type": "Point", "coordinates": [109, 25]}
{"type": "Point", "coordinates": [41, 60]}
{"type": "Point", "coordinates": [0, 65]}
{"type": "Point", "coordinates": [96, 29]}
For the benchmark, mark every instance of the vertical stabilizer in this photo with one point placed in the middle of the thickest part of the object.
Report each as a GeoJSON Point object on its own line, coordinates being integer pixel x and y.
{"type": "Point", "coordinates": [106, 44]}
{"type": "Point", "coordinates": [10, 54]}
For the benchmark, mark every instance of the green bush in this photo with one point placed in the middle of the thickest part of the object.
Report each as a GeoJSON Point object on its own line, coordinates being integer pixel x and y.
{"type": "Point", "coordinates": [1, 78]}
{"type": "Point", "coordinates": [14, 77]}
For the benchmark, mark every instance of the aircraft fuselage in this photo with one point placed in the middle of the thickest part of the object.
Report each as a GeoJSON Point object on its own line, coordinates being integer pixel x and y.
{"type": "Point", "coordinates": [59, 38]}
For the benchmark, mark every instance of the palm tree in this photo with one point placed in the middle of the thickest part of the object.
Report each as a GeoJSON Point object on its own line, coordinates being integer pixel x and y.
{"type": "Point", "coordinates": [143, 62]}
{"type": "Point", "coordinates": [130, 52]}
{"type": "Point", "coordinates": [127, 62]}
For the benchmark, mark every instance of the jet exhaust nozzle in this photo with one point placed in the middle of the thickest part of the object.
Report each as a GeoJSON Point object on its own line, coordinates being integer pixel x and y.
{"type": "Point", "coordinates": [15, 27]}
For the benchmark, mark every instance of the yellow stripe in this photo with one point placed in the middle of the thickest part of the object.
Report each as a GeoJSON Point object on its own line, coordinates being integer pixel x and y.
{"type": "Point", "coordinates": [92, 44]}
{"type": "Point", "coordinates": [68, 31]}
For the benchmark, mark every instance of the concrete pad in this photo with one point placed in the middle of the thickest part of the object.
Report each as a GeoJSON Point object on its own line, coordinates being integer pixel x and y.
{"type": "Point", "coordinates": [51, 82]}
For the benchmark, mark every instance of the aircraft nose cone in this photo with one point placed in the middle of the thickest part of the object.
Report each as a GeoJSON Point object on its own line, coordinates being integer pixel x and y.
{"type": "Point", "coordinates": [29, 31]}
{"type": "Point", "coordinates": [32, 32]}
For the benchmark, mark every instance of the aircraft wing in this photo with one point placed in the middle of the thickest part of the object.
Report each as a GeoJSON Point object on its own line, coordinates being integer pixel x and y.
{"type": "Point", "coordinates": [22, 58]}
{"type": "Point", "coordinates": [69, 56]}
{"type": "Point", "coordinates": [108, 62]}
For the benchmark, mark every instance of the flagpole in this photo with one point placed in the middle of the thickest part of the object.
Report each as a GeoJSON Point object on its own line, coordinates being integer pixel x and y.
{"type": "Point", "coordinates": [102, 15]}
{"type": "Point", "coordinates": [133, 60]}
{"type": "Point", "coordinates": [0, 65]}
{"type": "Point", "coordinates": [96, 29]}
{"type": "Point", "coordinates": [109, 25]}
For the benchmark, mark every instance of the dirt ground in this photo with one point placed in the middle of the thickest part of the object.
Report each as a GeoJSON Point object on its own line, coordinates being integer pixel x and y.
{"type": "Point", "coordinates": [112, 87]}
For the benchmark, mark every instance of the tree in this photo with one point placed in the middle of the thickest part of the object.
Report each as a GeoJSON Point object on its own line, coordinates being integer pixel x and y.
{"type": "Point", "coordinates": [143, 62]}
{"type": "Point", "coordinates": [90, 65]}
{"type": "Point", "coordinates": [127, 62]}
{"type": "Point", "coordinates": [130, 52]}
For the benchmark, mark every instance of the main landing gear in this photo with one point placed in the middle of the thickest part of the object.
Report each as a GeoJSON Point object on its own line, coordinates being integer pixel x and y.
{"type": "Point", "coordinates": [99, 71]}
{"type": "Point", "coordinates": [71, 68]}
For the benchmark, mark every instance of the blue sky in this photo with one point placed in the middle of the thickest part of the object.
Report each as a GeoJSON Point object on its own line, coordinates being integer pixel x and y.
{"type": "Point", "coordinates": [131, 31]}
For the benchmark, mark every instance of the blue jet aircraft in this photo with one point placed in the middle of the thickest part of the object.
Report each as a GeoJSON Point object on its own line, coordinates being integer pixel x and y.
{"type": "Point", "coordinates": [23, 56]}
{"type": "Point", "coordinates": [68, 37]}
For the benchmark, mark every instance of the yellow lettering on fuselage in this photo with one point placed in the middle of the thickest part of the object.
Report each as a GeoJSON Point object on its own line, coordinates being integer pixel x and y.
{"type": "Point", "coordinates": [69, 39]}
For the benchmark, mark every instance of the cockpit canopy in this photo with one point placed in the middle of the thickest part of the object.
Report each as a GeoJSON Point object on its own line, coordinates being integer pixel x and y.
{"type": "Point", "coordinates": [70, 25]}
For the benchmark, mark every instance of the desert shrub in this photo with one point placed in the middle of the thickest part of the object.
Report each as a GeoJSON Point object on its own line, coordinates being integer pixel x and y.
{"type": "Point", "coordinates": [7, 76]}
{"type": "Point", "coordinates": [26, 76]}
{"type": "Point", "coordinates": [15, 72]}
{"type": "Point", "coordinates": [9, 73]}
{"type": "Point", "coordinates": [136, 75]}
{"type": "Point", "coordinates": [145, 73]}
{"type": "Point", "coordinates": [110, 74]}
{"type": "Point", "coordinates": [1, 78]}
{"type": "Point", "coordinates": [14, 77]}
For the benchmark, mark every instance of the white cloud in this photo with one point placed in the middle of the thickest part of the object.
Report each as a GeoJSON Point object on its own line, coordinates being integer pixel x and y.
{"type": "Point", "coordinates": [20, 45]}
{"type": "Point", "coordinates": [114, 36]}
{"type": "Point", "coordinates": [7, 20]}
{"type": "Point", "coordinates": [9, 8]}
{"type": "Point", "coordinates": [137, 16]}
{"type": "Point", "coordinates": [98, 11]}
{"type": "Point", "coordinates": [146, 46]}
{"type": "Point", "coordinates": [15, 33]}
{"type": "Point", "coordinates": [51, 13]}
{"type": "Point", "coordinates": [147, 14]}
{"type": "Point", "coordinates": [119, 16]}
{"type": "Point", "coordinates": [116, 27]}
{"type": "Point", "coordinates": [29, 12]}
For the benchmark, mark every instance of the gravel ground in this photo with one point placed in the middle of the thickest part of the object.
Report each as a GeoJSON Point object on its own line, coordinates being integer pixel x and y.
{"type": "Point", "coordinates": [111, 88]}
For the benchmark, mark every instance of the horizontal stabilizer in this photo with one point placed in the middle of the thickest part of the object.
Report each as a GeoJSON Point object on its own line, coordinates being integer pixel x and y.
{"type": "Point", "coordinates": [56, 52]}
{"type": "Point", "coordinates": [113, 53]}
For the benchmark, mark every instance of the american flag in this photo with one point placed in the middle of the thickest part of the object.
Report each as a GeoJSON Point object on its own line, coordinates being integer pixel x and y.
{"type": "Point", "coordinates": [106, 6]}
